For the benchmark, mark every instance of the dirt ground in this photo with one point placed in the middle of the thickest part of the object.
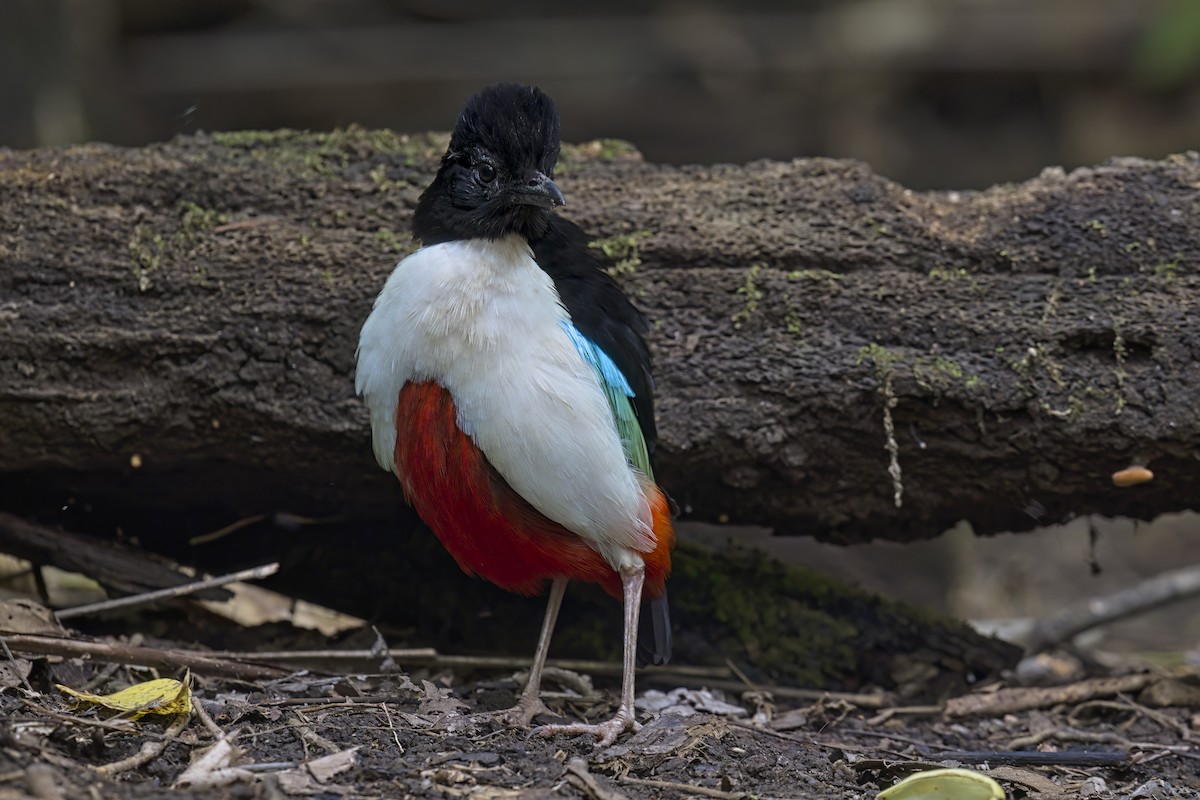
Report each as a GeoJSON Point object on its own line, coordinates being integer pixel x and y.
{"type": "Point", "coordinates": [426, 733]}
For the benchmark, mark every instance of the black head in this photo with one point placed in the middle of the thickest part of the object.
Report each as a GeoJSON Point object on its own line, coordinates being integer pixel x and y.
{"type": "Point", "coordinates": [495, 178]}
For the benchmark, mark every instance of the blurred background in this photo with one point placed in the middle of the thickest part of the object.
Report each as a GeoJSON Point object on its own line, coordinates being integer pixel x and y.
{"type": "Point", "coordinates": [937, 94]}
{"type": "Point", "coordinates": [933, 93]}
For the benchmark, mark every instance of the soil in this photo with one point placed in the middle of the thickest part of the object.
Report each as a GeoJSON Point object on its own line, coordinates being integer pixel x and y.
{"type": "Point", "coordinates": [428, 734]}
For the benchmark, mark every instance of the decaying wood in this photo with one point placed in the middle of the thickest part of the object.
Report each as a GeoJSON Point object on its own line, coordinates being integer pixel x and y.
{"type": "Point", "coordinates": [114, 565]}
{"type": "Point", "coordinates": [1021, 698]}
{"type": "Point", "coordinates": [179, 324]}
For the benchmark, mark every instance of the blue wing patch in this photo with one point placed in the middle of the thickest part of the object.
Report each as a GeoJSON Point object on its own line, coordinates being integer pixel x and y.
{"type": "Point", "coordinates": [618, 392]}
{"type": "Point", "coordinates": [599, 359]}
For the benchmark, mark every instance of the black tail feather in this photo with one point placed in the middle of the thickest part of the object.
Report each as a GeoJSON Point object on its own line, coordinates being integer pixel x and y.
{"type": "Point", "coordinates": [655, 645]}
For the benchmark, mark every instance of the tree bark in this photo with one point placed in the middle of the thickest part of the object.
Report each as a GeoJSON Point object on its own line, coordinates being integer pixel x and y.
{"type": "Point", "coordinates": [178, 327]}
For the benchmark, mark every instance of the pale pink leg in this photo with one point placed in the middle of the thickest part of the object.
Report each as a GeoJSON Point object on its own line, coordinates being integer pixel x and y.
{"type": "Point", "coordinates": [530, 704]}
{"type": "Point", "coordinates": [625, 720]}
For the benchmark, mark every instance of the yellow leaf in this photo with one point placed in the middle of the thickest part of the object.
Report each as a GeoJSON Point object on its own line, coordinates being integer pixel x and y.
{"type": "Point", "coordinates": [944, 784]}
{"type": "Point", "coordinates": [165, 696]}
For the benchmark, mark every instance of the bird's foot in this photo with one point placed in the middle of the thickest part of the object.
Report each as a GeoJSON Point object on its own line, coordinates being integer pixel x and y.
{"type": "Point", "coordinates": [605, 732]}
{"type": "Point", "coordinates": [521, 715]}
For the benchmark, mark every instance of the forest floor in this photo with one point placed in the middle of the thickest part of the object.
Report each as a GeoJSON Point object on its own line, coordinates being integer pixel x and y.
{"type": "Point", "coordinates": [370, 729]}
{"type": "Point", "coordinates": [289, 699]}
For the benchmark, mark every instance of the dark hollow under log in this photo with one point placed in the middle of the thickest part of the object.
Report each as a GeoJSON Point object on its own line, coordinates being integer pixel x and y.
{"type": "Point", "coordinates": [193, 307]}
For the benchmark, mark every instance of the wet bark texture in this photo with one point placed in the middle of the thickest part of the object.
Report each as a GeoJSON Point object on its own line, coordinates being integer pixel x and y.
{"type": "Point", "coordinates": [196, 305]}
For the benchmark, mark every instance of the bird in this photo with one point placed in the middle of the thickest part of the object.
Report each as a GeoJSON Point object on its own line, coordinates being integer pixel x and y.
{"type": "Point", "coordinates": [509, 388]}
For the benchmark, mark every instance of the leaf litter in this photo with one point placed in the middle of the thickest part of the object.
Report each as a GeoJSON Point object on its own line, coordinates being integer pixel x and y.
{"type": "Point", "coordinates": [427, 732]}
{"type": "Point", "coordinates": [163, 696]}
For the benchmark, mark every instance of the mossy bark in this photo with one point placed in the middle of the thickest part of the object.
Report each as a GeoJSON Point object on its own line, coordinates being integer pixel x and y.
{"type": "Point", "coordinates": [178, 322]}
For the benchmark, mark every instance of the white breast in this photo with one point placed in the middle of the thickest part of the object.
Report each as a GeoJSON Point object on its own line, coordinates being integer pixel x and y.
{"type": "Point", "coordinates": [481, 319]}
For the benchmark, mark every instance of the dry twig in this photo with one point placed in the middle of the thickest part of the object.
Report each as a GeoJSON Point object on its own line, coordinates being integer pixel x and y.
{"type": "Point", "coordinates": [579, 776]}
{"type": "Point", "coordinates": [350, 701]}
{"type": "Point", "coordinates": [888, 713]}
{"type": "Point", "coordinates": [391, 726]}
{"type": "Point", "coordinates": [109, 652]}
{"type": "Point", "coordinates": [308, 736]}
{"type": "Point", "coordinates": [1006, 701]}
{"type": "Point", "coordinates": [150, 750]}
{"type": "Point", "coordinates": [859, 700]}
{"type": "Point", "coordinates": [135, 640]}
{"type": "Point", "coordinates": [206, 720]}
{"type": "Point", "coordinates": [12, 659]}
{"type": "Point", "coordinates": [255, 573]}
{"type": "Point", "coordinates": [1162, 719]}
{"type": "Point", "coordinates": [1167, 587]}
{"type": "Point", "coordinates": [429, 657]}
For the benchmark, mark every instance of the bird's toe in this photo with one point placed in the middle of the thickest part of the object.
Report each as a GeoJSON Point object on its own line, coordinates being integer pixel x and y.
{"type": "Point", "coordinates": [605, 732]}
{"type": "Point", "coordinates": [521, 715]}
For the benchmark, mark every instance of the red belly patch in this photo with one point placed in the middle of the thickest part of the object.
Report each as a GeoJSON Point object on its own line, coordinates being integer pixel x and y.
{"type": "Point", "coordinates": [489, 529]}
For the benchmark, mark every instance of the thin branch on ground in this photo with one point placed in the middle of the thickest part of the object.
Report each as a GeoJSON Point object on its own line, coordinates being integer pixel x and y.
{"type": "Point", "coordinates": [896, 737]}
{"type": "Point", "coordinates": [245, 223]}
{"type": "Point", "coordinates": [206, 720]}
{"type": "Point", "coordinates": [741, 675]}
{"type": "Point", "coordinates": [282, 519]}
{"type": "Point", "coordinates": [150, 750]}
{"type": "Point", "coordinates": [1162, 719]}
{"type": "Point", "coordinates": [232, 527]}
{"type": "Point", "coordinates": [583, 780]}
{"type": "Point", "coordinates": [916, 711]}
{"type": "Point", "coordinates": [1068, 735]}
{"type": "Point", "coordinates": [307, 735]}
{"type": "Point", "coordinates": [255, 573]}
{"type": "Point", "coordinates": [13, 660]}
{"type": "Point", "coordinates": [135, 640]}
{"type": "Point", "coordinates": [391, 726]}
{"type": "Point", "coordinates": [1025, 758]}
{"type": "Point", "coordinates": [110, 652]}
{"type": "Point", "coordinates": [859, 700]}
{"type": "Point", "coordinates": [429, 657]}
{"type": "Point", "coordinates": [1005, 701]}
{"type": "Point", "coordinates": [118, 726]}
{"type": "Point", "coordinates": [806, 740]}
{"type": "Point", "coordinates": [1167, 587]}
{"type": "Point", "coordinates": [311, 703]}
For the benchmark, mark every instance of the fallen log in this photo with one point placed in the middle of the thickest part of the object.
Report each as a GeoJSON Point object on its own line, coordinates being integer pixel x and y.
{"type": "Point", "coordinates": [178, 325]}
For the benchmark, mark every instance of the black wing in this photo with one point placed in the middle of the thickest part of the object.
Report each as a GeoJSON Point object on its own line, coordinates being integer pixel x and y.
{"type": "Point", "coordinates": [601, 312]}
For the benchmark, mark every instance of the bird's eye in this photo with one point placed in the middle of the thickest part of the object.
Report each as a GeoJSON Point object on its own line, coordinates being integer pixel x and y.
{"type": "Point", "coordinates": [486, 173]}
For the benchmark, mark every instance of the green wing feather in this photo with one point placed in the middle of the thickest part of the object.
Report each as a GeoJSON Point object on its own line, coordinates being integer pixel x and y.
{"type": "Point", "coordinates": [628, 429]}
{"type": "Point", "coordinates": [619, 395]}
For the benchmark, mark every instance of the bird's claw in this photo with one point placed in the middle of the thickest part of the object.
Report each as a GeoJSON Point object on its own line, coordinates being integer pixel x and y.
{"type": "Point", "coordinates": [605, 732]}
{"type": "Point", "coordinates": [519, 716]}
